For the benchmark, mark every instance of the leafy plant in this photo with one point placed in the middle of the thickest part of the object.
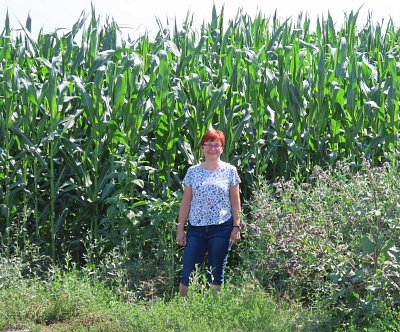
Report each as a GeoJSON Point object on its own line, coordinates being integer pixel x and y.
{"type": "Point", "coordinates": [336, 239]}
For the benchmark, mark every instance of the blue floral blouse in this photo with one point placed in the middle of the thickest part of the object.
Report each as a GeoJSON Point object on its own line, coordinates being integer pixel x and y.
{"type": "Point", "coordinates": [210, 194]}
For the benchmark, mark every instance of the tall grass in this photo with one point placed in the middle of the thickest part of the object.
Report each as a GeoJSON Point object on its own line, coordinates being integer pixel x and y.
{"type": "Point", "coordinates": [97, 128]}
{"type": "Point", "coordinates": [74, 301]}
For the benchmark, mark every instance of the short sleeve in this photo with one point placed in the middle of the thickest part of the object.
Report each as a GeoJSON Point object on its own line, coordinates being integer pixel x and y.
{"type": "Point", "coordinates": [188, 179]}
{"type": "Point", "coordinates": [234, 178]}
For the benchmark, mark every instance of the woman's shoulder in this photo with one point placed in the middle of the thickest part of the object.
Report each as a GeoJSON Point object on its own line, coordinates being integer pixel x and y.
{"type": "Point", "coordinates": [226, 165]}
{"type": "Point", "coordinates": [194, 168]}
{"type": "Point", "coordinates": [191, 173]}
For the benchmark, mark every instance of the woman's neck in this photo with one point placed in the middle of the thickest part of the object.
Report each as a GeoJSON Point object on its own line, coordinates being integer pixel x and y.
{"type": "Point", "coordinates": [212, 164]}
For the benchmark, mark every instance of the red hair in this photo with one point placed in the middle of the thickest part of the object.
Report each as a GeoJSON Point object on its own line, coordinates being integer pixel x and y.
{"type": "Point", "coordinates": [213, 135]}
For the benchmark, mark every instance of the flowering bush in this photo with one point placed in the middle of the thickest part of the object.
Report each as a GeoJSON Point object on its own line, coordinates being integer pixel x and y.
{"type": "Point", "coordinates": [336, 239]}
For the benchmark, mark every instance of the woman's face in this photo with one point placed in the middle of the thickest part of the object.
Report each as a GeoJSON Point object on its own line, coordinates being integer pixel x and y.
{"type": "Point", "coordinates": [212, 150]}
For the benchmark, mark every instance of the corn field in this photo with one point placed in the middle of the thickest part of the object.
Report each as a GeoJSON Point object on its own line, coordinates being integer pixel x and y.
{"type": "Point", "coordinates": [97, 129]}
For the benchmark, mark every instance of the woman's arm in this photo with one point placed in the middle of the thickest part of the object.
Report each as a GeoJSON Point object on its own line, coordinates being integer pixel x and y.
{"type": "Point", "coordinates": [184, 215]}
{"type": "Point", "coordinates": [234, 195]}
{"type": "Point", "coordinates": [235, 204]}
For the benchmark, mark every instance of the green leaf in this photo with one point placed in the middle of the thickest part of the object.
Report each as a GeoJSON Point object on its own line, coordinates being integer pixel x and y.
{"type": "Point", "coordinates": [368, 245]}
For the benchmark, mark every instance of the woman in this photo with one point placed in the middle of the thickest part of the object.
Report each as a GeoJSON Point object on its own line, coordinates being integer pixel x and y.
{"type": "Point", "coordinates": [211, 204]}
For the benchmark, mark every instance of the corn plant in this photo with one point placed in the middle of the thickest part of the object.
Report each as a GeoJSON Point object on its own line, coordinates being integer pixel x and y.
{"type": "Point", "coordinates": [96, 125]}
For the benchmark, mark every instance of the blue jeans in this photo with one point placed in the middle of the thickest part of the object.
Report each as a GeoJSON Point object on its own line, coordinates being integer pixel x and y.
{"type": "Point", "coordinates": [213, 239]}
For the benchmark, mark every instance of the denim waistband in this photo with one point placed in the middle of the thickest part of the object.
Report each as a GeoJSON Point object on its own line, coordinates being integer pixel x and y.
{"type": "Point", "coordinates": [227, 223]}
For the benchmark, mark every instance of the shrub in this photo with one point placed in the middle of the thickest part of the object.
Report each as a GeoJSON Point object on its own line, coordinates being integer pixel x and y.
{"type": "Point", "coordinates": [335, 240]}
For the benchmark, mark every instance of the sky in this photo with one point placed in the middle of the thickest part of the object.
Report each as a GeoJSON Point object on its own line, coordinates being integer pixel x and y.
{"type": "Point", "coordinates": [139, 16]}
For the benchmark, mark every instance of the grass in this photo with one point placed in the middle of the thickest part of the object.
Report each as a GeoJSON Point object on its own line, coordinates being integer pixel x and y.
{"type": "Point", "coordinates": [74, 302]}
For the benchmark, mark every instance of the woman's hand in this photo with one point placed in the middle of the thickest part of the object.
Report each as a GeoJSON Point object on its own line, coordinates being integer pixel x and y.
{"type": "Point", "coordinates": [235, 235]}
{"type": "Point", "coordinates": [181, 237]}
